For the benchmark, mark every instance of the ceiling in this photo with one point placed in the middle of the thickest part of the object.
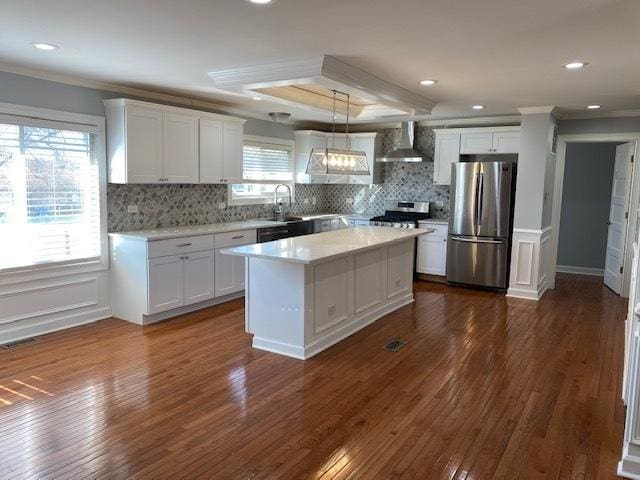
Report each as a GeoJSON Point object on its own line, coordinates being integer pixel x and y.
{"type": "Point", "coordinates": [502, 54]}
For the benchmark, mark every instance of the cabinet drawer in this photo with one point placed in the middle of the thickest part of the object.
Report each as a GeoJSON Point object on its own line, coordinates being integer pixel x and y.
{"type": "Point", "coordinates": [232, 239]}
{"type": "Point", "coordinates": [176, 246]}
{"type": "Point", "coordinates": [440, 229]}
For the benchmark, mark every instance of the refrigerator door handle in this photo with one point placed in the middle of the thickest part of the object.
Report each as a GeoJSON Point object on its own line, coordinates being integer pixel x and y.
{"type": "Point", "coordinates": [480, 198]}
{"type": "Point", "coordinates": [476, 240]}
{"type": "Point", "coordinates": [476, 219]}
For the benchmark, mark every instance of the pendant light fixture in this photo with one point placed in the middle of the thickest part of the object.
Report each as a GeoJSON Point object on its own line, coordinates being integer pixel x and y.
{"type": "Point", "coordinates": [338, 161]}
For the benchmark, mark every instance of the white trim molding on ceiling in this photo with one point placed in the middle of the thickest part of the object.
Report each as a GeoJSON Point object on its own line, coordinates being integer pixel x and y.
{"type": "Point", "coordinates": [325, 71]}
{"type": "Point", "coordinates": [531, 110]}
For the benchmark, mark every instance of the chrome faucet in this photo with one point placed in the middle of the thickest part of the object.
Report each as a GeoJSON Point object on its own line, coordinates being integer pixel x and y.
{"type": "Point", "coordinates": [280, 213]}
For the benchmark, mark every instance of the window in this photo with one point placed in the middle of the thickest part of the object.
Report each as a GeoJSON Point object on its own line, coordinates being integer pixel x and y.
{"type": "Point", "coordinates": [50, 193]}
{"type": "Point", "coordinates": [265, 164]}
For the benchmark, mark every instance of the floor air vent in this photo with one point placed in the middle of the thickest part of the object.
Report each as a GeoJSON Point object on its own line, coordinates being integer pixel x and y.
{"type": "Point", "coordinates": [394, 345]}
{"type": "Point", "coordinates": [17, 343]}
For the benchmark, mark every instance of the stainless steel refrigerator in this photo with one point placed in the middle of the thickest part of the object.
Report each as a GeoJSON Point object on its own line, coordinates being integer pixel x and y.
{"type": "Point", "coordinates": [479, 243]}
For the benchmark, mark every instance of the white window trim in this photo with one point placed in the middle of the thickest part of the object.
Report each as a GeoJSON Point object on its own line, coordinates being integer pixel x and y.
{"type": "Point", "coordinates": [54, 269]}
{"type": "Point", "coordinates": [262, 200]}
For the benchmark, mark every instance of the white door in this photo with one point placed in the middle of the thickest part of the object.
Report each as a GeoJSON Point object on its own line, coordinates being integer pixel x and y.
{"type": "Point", "coordinates": [198, 277]}
{"type": "Point", "coordinates": [144, 145]}
{"type": "Point", "coordinates": [229, 274]}
{"type": "Point", "coordinates": [618, 214]}
{"type": "Point", "coordinates": [166, 283]}
{"type": "Point", "coordinates": [479, 142]}
{"type": "Point", "coordinates": [506, 142]}
{"type": "Point", "coordinates": [447, 152]}
{"type": "Point", "coordinates": [432, 254]}
{"type": "Point", "coordinates": [210, 151]}
{"type": "Point", "coordinates": [180, 148]}
{"type": "Point", "coordinates": [232, 140]}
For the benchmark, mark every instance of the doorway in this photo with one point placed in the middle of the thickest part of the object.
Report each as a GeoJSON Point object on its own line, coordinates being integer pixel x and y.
{"type": "Point", "coordinates": [594, 210]}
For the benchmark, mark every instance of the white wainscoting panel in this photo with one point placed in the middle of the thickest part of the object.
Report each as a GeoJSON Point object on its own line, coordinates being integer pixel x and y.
{"type": "Point", "coordinates": [529, 263]}
{"type": "Point", "coordinates": [42, 306]}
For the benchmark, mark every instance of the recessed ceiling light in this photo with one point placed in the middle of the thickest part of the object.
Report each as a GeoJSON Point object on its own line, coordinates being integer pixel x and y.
{"type": "Point", "coordinates": [428, 82]}
{"type": "Point", "coordinates": [257, 99]}
{"type": "Point", "coordinates": [478, 107]}
{"type": "Point", "coordinates": [575, 65]}
{"type": "Point", "coordinates": [260, 2]}
{"type": "Point", "coordinates": [593, 107]}
{"type": "Point", "coordinates": [45, 46]}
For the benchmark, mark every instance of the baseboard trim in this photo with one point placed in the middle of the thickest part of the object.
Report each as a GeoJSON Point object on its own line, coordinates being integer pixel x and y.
{"type": "Point", "coordinates": [596, 272]}
{"type": "Point", "coordinates": [159, 317]}
{"type": "Point", "coordinates": [629, 465]}
{"type": "Point", "coordinates": [18, 332]}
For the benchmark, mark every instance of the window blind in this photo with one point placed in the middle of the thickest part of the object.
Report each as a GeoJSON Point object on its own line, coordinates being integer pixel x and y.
{"type": "Point", "coordinates": [263, 162]}
{"type": "Point", "coordinates": [49, 195]}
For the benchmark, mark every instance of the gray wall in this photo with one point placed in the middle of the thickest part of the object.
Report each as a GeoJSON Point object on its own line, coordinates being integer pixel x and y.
{"type": "Point", "coordinates": [600, 125]}
{"type": "Point", "coordinates": [586, 196]}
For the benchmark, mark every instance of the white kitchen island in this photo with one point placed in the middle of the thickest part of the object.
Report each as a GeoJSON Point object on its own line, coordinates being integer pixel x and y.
{"type": "Point", "coordinates": [304, 294]}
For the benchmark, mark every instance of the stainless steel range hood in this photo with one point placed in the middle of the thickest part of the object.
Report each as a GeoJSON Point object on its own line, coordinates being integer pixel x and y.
{"type": "Point", "coordinates": [406, 151]}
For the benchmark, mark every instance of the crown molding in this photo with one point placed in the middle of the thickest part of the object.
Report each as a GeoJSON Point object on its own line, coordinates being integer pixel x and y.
{"type": "Point", "coordinates": [530, 110]}
{"type": "Point", "coordinates": [134, 92]}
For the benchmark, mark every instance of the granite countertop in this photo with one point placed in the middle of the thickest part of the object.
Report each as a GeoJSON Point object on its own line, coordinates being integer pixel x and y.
{"type": "Point", "coordinates": [320, 247]}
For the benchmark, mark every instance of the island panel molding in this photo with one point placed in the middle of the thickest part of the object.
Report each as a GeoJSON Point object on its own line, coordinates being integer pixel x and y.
{"type": "Point", "coordinates": [304, 294]}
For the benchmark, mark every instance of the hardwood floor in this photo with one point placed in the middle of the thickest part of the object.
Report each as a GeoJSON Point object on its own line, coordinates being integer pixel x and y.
{"type": "Point", "coordinates": [486, 387]}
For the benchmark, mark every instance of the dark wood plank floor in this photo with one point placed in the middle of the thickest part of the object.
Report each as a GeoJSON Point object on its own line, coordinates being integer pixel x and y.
{"type": "Point", "coordinates": [486, 387]}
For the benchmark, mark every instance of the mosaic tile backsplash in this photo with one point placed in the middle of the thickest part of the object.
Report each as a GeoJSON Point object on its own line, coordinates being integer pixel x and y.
{"type": "Point", "coordinates": [173, 205]}
{"type": "Point", "coordinates": [177, 205]}
{"type": "Point", "coordinates": [400, 181]}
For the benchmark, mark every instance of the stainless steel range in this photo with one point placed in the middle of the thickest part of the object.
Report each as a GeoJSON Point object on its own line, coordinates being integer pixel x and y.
{"type": "Point", "coordinates": [402, 214]}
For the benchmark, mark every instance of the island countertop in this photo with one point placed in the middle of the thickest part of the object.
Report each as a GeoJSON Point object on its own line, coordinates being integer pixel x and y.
{"type": "Point", "coordinates": [320, 247]}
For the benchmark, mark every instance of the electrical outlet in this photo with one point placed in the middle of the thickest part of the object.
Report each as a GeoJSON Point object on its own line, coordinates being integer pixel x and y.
{"type": "Point", "coordinates": [132, 209]}
{"type": "Point", "coordinates": [222, 205]}
{"type": "Point", "coordinates": [331, 310]}
{"type": "Point", "coordinates": [313, 200]}
{"type": "Point", "coordinates": [306, 201]}
{"type": "Point", "coordinates": [439, 203]}
{"type": "Point", "coordinates": [349, 201]}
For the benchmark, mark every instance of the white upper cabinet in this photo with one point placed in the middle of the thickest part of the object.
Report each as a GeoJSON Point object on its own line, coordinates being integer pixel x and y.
{"type": "Point", "coordinates": [180, 148]}
{"type": "Point", "coordinates": [150, 143]}
{"type": "Point", "coordinates": [447, 152]}
{"type": "Point", "coordinates": [490, 140]}
{"type": "Point", "coordinates": [306, 140]}
{"type": "Point", "coordinates": [143, 162]}
{"type": "Point", "coordinates": [232, 135]}
{"type": "Point", "coordinates": [211, 151]}
{"type": "Point", "coordinates": [450, 143]}
{"type": "Point", "coordinates": [476, 142]}
{"type": "Point", "coordinates": [506, 142]}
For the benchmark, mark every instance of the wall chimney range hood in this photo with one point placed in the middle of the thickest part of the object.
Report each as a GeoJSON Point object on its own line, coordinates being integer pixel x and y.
{"type": "Point", "coordinates": [406, 151]}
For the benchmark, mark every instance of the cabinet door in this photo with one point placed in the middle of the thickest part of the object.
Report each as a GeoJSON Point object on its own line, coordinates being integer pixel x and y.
{"type": "Point", "coordinates": [166, 283]}
{"type": "Point", "coordinates": [144, 145]}
{"type": "Point", "coordinates": [210, 151]}
{"type": "Point", "coordinates": [481, 142]}
{"type": "Point", "coordinates": [506, 142]}
{"type": "Point", "coordinates": [367, 145]}
{"type": "Point", "coordinates": [229, 274]}
{"type": "Point", "coordinates": [447, 152]}
{"type": "Point", "coordinates": [198, 277]}
{"type": "Point", "coordinates": [232, 138]}
{"type": "Point", "coordinates": [180, 148]}
{"type": "Point", "coordinates": [432, 254]}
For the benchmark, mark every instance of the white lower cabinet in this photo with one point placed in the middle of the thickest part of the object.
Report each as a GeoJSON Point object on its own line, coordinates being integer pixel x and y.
{"type": "Point", "coordinates": [199, 284]}
{"type": "Point", "coordinates": [229, 274]}
{"type": "Point", "coordinates": [156, 279]}
{"type": "Point", "coordinates": [432, 250]}
{"type": "Point", "coordinates": [166, 283]}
